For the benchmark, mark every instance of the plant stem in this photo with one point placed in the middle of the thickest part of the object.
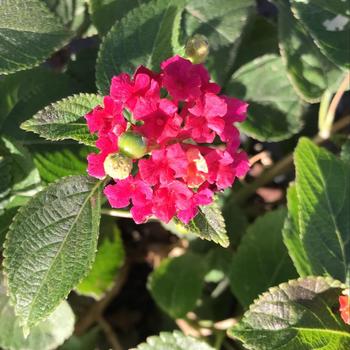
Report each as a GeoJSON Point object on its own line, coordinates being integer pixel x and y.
{"type": "Point", "coordinates": [110, 335]}
{"type": "Point", "coordinates": [280, 167]}
{"type": "Point", "coordinates": [119, 213]}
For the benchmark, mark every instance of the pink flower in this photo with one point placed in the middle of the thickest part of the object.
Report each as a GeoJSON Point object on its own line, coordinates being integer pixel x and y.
{"type": "Point", "coordinates": [165, 141]}
{"type": "Point", "coordinates": [344, 308]}
{"type": "Point", "coordinates": [140, 94]}
{"type": "Point", "coordinates": [164, 166]}
{"type": "Point", "coordinates": [122, 192]}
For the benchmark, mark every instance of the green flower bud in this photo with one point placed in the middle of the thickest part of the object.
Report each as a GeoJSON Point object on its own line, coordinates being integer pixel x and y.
{"type": "Point", "coordinates": [117, 166]}
{"type": "Point", "coordinates": [197, 48]}
{"type": "Point", "coordinates": [132, 145]}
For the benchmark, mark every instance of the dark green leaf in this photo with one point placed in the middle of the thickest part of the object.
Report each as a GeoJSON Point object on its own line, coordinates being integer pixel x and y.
{"type": "Point", "coordinates": [105, 13]}
{"type": "Point", "coordinates": [222, 22]}
{"type": "Point", "coordinates": [274, 111]}
{"type": "Point", "coordinates": [297, 315]}
{"type": "Point", "coordinates": [177, 284]}
{"type": "Point", "coordinates": [323, 189]}
{"type": "Point", "coordinates": [46, 335]}
{"type": "Point", "coordinates": [345, 151]}
{"type": "Point", "coordinates": [309, 70]}
{"type": "Point", "coordinates": [173, 341]}
{"type": "Point", "coordinates": [29, 33]}
{"type": "Point", "coordinates": [145, 36]}
{"type": "Point", "coordinates": [292, 238]}
{"type": "Point", "coordinates": [261, 260]}
{"type": "Point", "coordinates": [329, 25]}
{"type": "Point", "coordinates": [51, 245]}
{"type": "Point", "coordinates": [65, 119]}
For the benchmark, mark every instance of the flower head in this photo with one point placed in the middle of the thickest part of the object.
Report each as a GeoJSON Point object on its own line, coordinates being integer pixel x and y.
{"type": "Point", "coordinates": [163, 126]}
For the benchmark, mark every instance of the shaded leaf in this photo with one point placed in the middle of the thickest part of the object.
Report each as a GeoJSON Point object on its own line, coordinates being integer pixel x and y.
{"type": "Point", "coordinates": [51, 245]}
{"type": "Point", "coordinates": [65, 119]}
{"type": "Point", "coordinates": [105, 13]}
{"type": "Point", "coordinates": [145, 36]}
{"type": "Point", "coordinates": [261, 260]}
{"type": "Point", "coordinates": [309, 70]}
{"type": "Point", "coordinates": [297, 315]}
{"type": "Point", "coordinates": [29, 33]}
{"type": "Point", "coordinates": [329, 25]}
{"type": "Point", "coordinates": [46, 335]}
{"type": "Point", "coordinates": [274, 111]}
{"type": "Point", "coordinates": [222, 22]}
{"type": "Point", "coordinates": [176, 284]}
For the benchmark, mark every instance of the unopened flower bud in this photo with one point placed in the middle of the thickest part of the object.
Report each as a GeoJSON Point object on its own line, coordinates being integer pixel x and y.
{"type": "Point", "coordinates": [132, 145]}
{"type": "Point", "coordinates": [197, 48]}
{"type": "Point", "coordinates": [117, 166]}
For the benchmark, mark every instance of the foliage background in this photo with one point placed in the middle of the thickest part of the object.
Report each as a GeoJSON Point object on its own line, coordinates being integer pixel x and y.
{"type": "Point", "coordinates": [289, 219]}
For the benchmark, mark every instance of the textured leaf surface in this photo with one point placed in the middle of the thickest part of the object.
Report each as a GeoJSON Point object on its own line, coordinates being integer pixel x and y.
{"type": "Point", "coordinates": [46, 335]}
{"type": "Point", "coordinates": [209, 224]}
{"type": "Point", "coordinates": [143, 37]}
{"type": "Point", "coordinates": [261, 260]}
{"type": "Point", "coordinates": [29, 34]}
{"type": "Point", "coordinates": [309, 70]}
{"type": "Point", "coordinates": [54, 165]}
{"type": "Point", "coordinates": [323, 188]}
{"type": "Point", "coordinates": [51, 246]}
{"type": "Point", "coordinates": [109, 259]}
{"type": "Point", "coordinates": [65, 119]}
{"type": "Point", "coordinates": [177, 284]}
{"type": "Point", "coordinates": [173, 341]}
{"type": "Point", "coordinates": [292, 238]}
{"type": "Point", "coordinates": [297, 315]}
{"type": "Point", "coordinates": [105, 13]}
{"type": "Point", "coordinates": [329, 25]}
{"type": "Point", "coordinates": [274, 108]}
{"type": "Point", "coordinates": [222, 22]}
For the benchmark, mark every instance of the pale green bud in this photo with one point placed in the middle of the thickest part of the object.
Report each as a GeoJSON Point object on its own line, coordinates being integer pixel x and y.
{"type": "Point", "coordinates": [117, 166]}
{"type": "Point", "coordinates": [197, 48]}
{"type": "Point", "coordinates": [132, 145]}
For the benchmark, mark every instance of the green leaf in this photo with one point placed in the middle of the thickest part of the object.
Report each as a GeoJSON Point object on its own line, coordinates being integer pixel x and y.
{"type": "Point", "coordinates": [29, 33]}
{"type": "Point", "coordinates": [177, 283]}
{"type": "Point", "coordinates": [46, 335]}
{"type": "Point", "coordinates": [65, 119]}
{"type": "Point", "coordinates": [329, 25]}
{"type": "Point", "coordinates": [345, 151]}
{"type": "Point", "coordinates": [145, 36]}
{"type": "Point", "coordinates": [323, 188]}
{"type": "Point", "coordinates": [71, 12]}
{"type": "Point", "coordinates": [310, 72]}
{"type": "Point", "coordinates": [173, 341]}
{"type": "Point", "coordinates": [105, 13]}
{"type": "Point", "coordinates": [6, 217]}
{"type": "Point", "coordinates": [51, 245]}
{"type": "Point", "coordinates": [261, 260]}
{"type": "Point", "coordinates": [297, 315]}
{"type": "Point", "coordinates": [17, 170]}
{"type": "Point", "coordinates": [209, 224]}
{"type": "Point", "coordinates": [88, 341]}
{"type": "Point", "coordinates": [109, 259]}
{"type": "Point", "coordinates": [292, 238]}
{"type": "Point", "coordinates": [54, 165]}
{"type": "Point", "coordinates": [274, 111]}
{"type": "Point", "coordinates": [222, 22]}
{"type": "Point", "coordinates": [259, 37]}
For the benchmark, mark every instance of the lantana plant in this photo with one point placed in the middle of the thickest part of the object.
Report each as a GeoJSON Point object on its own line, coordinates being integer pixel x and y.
{"type": "Point", "coordinates": [174, 174]}
{"type": "Point", "coordinates": [155, 139]}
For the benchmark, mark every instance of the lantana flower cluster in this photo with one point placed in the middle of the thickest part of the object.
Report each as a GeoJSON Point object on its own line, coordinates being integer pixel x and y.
{"type": "Point", "coordinates": [344, 307]}
{"type": "Point", "coordinates": [188, 134]}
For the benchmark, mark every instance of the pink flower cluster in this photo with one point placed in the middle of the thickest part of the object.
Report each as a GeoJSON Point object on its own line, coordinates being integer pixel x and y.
{"type": "Point", "coordinates": [179, 114]}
